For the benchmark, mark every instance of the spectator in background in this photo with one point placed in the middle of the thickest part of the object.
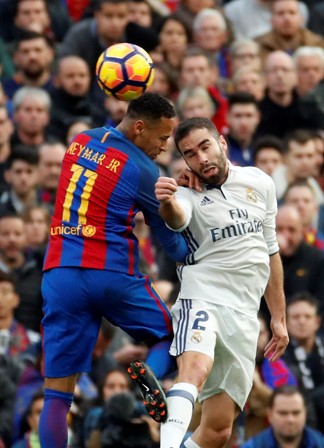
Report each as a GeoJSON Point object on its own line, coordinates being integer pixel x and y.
{"type": "Point", "coordinates": [288, 30]}
{"type": "Point", "coordinates": [195, 102]}
{"type": "Point", "coordinates": [316, 18]}
{"type": "Point", "coordinates": [24, 268]}
{"type": "Point", "coordinates": [163, 82]}
{"type": "Point", "coordinates": [22, 177]}
{"type": "Point", "coordinates": [267, 376]}
{"type": "Point", "coordinates": [33, 56]}
{"type": "Point", "coordinates": [6, 130]}
{"type": "Point", "coordinates": [287, 415]}
{"type": "Point", "coordinates": [268, 153]}
{"type": "Point", "coordinates": [198, 69]}
{"type": "Point", "coordinates": [30, 436]}
{"type": "Point", "coordinates": [116, 110]}
{"type": "Point", "coordinates": [174, 38]}
{"type": "Point", "coordinates": [50, 160]}
{"type": "Point", "coordinates": [37, 221]}
{"type": "Point", "coordinates": [211, 35]}
{"type": "Point", "coordinates": [140, 12]}
{"type": "Point", "coordinates": [188, 9]}
{"type": "Point", "coordinates": [70, 98]}
{"type": "Point", "coordinates": [243, 13]}
{"type": "Point", "coordinates": [115, 381]}
{"type": "Point", "coordinates": [243, 118]}
{"type": "Point", "coordinates": [31, 116]}
{"type": "Point", "coordinates": [242, 53]}
{"type": "Point", "coordinates": [282, 111]}
{"type": "Point", "coordinates": [305, 353]}
{"type": "Point", "coordinates": [90, 37]}
{"type": "Point", "coordinates": [300, 163]}
{"type": "Point", "coordinates": [309, 62]}
{"type": "Point", "coordinates": [301, 195]}
{"type": "Point", "coordinates": [77, 126]}
{"type": "Point", "coordinates": [303, 264]}
{"type": "Point", "coordinates": [248, 79]}
{"type": "Point", "coordinates": [14, 336]}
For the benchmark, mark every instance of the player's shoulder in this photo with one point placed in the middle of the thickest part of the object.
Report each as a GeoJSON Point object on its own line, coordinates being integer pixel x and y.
{"type": "Point", "coordinates": [253, 172]}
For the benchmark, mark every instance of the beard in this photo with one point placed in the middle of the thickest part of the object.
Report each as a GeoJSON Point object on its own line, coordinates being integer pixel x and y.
{"type": "Point", "coordinates": [219, 177]}
{"type": "Point", "coordinates": [33, 72]}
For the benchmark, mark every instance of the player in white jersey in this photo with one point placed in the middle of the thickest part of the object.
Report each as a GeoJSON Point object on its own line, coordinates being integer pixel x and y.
{"type": "Point", "coordinates": [230, 227]}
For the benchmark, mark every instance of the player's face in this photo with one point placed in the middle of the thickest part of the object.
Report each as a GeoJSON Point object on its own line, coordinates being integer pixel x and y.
{"type": "Point", "coordinates": [152, 137]}
{"type": "Point", "coordinates": [205, 155]}
{"type": "Point", "coordinates": [287, 417]}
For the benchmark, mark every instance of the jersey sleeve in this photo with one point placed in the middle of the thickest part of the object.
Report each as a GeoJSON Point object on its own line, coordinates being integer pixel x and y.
{"type": "Point", "coordinates": [269, 226]}
{"type": "Point", "coordinates": [183, 198]}
{"type": "Point", "coordinates": [173, 243]}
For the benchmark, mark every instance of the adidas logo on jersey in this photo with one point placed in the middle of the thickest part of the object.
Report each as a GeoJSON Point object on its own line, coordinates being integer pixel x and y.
{"type": "Point", "coordinates": [206, 201]}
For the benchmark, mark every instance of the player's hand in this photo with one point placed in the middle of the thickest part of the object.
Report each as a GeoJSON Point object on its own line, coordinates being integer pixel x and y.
{"type": "Point", "coordinates": [279, 341]}
{"type": "Point", "coordinates": [165, 188]}
{"type": "Point", "coordinates": [189, 179]}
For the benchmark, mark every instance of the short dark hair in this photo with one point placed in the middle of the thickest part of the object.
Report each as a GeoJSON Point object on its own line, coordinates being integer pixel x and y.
{"type": "Point", "coordinates": [242, 98]}
{"type": "Point", "coordinates": [150, 106]}
{"type": "Point", "coordinates": [25, 153]}
{"type": "Point", "coordinates": [286, 390]}
{"type": "Point", "coordinates": [8, 278]}
{"type": "Point", "coordinates": [267, 141]}
{"type": "Point", "coordinates": [191, 124]}
{"type": "Point", "coordinates": [99, 3]}
{"type": "Point", "coordinates": [304, 296]}
{"type": "Point", "coordinates": [31, 35]}
{"type": "Point", "coordinates": [298, 183]}
{"type": "Point", "coordinates": [300, 136]}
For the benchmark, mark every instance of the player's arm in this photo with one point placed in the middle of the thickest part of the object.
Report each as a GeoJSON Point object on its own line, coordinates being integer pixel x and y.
{"type": "Point", "coordinates": [275, 298]}
{"type": "Point", "coordinates": [170, 210]}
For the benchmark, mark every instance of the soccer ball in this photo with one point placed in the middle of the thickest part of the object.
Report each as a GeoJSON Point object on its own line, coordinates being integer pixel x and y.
{"type": "Point", "coordinates": [125, 71]}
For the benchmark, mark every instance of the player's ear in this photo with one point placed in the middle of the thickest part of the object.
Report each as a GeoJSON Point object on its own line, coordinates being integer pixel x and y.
{"type": "Point", "coordinates": [223, 143]}
{"type": "Point", "coordinates": [139, 127]}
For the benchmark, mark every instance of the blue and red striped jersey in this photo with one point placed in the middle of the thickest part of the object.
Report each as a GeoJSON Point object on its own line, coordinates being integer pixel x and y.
{"type": "Point", "coordinates": [105, 180]}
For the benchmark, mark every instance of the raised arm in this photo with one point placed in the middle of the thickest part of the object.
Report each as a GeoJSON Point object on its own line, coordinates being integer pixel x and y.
{"type": "Point", "coordinates": [275, 298]}
{"type": "Point", "coordinates": [170, 210]}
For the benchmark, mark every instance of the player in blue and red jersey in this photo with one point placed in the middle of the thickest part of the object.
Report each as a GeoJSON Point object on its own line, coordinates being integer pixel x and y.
{"type": "Point", "coordinates": [91, 267]}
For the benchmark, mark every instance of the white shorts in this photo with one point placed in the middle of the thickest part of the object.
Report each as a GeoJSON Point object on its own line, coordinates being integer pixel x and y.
{"type": "Point", "coordinates": [225, 335]}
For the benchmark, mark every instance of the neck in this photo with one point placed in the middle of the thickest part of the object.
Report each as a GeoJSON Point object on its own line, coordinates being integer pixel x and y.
{"type": "Point", "coordinates": [291, 444]}
{"type": "Point", "coordinates": [283, 99]}
{"type": "Point", "coordinates": [16, 262]}
{"type": "Point", "coordinates": [4, 152]}
{"type": "Point", "coordinates": [27, 199]}
{"type": "Point", "coordinates": [40, 81]}
{"type": "Point", "coordinates": [307, 344]}
{"type": "Point", "coordinates": [30, 139]}
{"type": "Point", "coordinates": [5, 322]}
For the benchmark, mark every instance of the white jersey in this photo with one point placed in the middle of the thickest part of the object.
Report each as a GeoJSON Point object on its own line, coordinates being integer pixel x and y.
{"type": "Point", "coordinates": [231, 233]}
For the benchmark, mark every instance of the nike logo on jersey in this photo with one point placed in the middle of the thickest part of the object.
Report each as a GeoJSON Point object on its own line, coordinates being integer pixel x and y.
{"type": "Point", "coordinates": [206, 201]}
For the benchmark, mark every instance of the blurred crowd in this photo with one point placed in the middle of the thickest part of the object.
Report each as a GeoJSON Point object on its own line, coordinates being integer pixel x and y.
{"type": "Point", "coordinates": [256, 68]}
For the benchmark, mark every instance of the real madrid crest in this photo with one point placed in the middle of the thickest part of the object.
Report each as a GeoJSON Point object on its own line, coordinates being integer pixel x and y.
{"type": "Point", "coordinates": [196, 337]}
{"type": "Point", "coordinates": [251, 195]}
